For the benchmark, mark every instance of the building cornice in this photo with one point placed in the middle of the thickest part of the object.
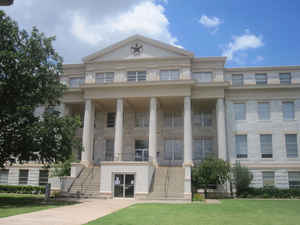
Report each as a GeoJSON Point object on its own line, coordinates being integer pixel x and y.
{"type": "Point", "coordinates": [268, 87]}
{"type": "Point", "coordinates": [261, 69]}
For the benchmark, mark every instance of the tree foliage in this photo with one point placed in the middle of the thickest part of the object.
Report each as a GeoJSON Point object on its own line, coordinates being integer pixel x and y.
{"type": "Point", "coordinates": [242, 177]}
{"type": "Point", "coordinates": [210, 171]}
{"type": "Point", "coordinates": [30, 69]}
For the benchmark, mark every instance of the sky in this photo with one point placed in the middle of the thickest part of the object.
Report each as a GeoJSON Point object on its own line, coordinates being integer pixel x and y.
{"type": "Point", "coordinates": [247, 32]}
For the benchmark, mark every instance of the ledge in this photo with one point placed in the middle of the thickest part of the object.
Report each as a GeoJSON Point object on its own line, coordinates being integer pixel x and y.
{"type": "Point", "coordinates": [125, 163]}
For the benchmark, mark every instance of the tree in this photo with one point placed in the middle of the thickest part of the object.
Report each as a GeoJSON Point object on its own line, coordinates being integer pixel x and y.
{"type": "Point", "coordinates": [30, 69]}
{"type": "Point", "coordinates": [242, 178]}
{"type": "Point", "coordinates": [210, 171]}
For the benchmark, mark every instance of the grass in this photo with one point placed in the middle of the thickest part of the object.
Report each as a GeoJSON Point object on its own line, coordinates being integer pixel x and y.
{"type": "Point", "coordinates": [229, 212]}
{"type": "Point", "coordinates": [13, 204]}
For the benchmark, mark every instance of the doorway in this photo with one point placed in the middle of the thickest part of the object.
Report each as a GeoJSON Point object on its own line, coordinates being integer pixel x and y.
{"type": "Point", "coordinates": [124, 185]}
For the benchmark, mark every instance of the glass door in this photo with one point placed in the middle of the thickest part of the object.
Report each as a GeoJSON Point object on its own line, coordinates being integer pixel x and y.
{"type": "Point", "coordinates": [124, 186]}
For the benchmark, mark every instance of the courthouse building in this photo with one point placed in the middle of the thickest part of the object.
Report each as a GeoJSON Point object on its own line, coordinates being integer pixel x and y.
{"type": "Point", "coordinates": [151, 111]}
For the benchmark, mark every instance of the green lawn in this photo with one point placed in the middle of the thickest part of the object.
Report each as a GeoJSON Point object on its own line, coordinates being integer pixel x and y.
{"type": "Point", "coordinates": [13, 204]}
{"type": "Point", "coordinates": [229, 212]}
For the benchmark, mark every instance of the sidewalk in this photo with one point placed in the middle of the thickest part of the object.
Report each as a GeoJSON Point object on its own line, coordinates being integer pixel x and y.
{"type": "Point", "coordinates": [77, 214]}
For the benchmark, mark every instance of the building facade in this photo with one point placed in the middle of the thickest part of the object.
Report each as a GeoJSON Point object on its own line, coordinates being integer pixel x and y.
{"type": "Point", "coordinates": [151, 111]}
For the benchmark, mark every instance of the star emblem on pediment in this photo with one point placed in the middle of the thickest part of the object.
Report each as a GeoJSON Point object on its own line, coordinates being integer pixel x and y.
{"type": "Point", "coordinates": [136, 49]}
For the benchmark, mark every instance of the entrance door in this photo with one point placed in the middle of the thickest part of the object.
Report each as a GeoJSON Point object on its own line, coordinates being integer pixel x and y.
{"type": "Point", "coordinates": [124, 186]}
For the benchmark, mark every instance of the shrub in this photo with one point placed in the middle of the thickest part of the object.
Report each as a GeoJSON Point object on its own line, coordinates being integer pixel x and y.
{"type": "Point", "coordinates": [242, 178]}
{"type": "Point", "coordinates": [269, 192]}
{"type": "Point", "coordinates": [198, 197]}
{"type": "Point", "coordinates": [22, 189]}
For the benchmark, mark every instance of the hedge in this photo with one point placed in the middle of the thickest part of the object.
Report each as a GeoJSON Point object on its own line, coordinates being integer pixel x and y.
{"type": "Point", "coordinates": [19, 189]}
{"type": "Point", "coordinates": [270, 192]}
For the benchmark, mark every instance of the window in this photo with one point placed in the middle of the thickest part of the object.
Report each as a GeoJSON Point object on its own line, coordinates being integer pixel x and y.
{"type": "Point", "coordinates": [173, 149]}
{"type": "Point", "coordinates": [240, 111]}
{"type": "Point", "coordinates": [237, 79]}
{"type": "Point", "coordinates": [285, 78]}
{"type": "Point", "coordinates": [202, 119]}
{"type": "Point", "coordinates": [142, 119]}
{"type": "Point", "coordinates": [291, 145]}
{"type": "Point", "coordinates": [204, 77]}
{"type": "Point", "coordinates": [4, 176]}
{"type": "Point", "coordinates": [136, 76]}
{"type": "Point", "coordinates": [75, 82]}
{"type": "Point", "coordinates": [261, 79]}
{"type": "Point", "coordinates": [109, 150]}
{"type": "Point", "coordinates": [264, 111]}
{"type": "Point", "coordinates": [169, 75]}
{"type": "Point", "coordinates": [141, 150]}
{"type": "Point", "coordinates": [172, 119]}
{"type": "Point", "coordinates": [294, 179]}
{"type": "Point", "coordinates": [43, 177]}
{"type": "Point", "coordinates": [266, 145]}
{"type": "Point", "coordinates": [111, 116]}
{"type": "Point", "coordinates": [268, 178]}
{"type": "Point", "coordinates": [202, 148]}
{"type": "Point", "coordinates": [23, 177]}
{"type": "Point", "coordinates": [288, 110]}
{"type": "Point", "coordinates": [241, 146]}
{"type": "Point", "coordinates": [105, 77]}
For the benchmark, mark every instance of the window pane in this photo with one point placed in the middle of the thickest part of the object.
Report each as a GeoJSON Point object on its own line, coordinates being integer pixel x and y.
{"type": "Point", "coordinates": [75, 82]}
{"type": "Point", "coordinates": [288, 110]}
{"type": "Point", "coordinates": [111, 116]}
{"type": "Point", "coordinates": [261, 78]}
{"type": "Point", "coordinates": [241, 146]}
{"type": "Point", "coordinates": [169, 75]}
{"type": "Point", "coordinates": [291, 145]}
{"type": "Point", "coordinates": [202, 119]}
{"type": "Point", "coordinates": [264, 111]}
{"type": "Point", "coordinates": [240, 111]}
{"type": "Point", "coordinates": [172, 119]}
{"type": "Point", "coordinates": [268, 178]}
{"type": "Point", "coordinates": [294, 179]}
{"type": "Point", "coordinates": [266, 145]}
{"type": "Point", "coordinates": [43, 177]}
{"type": "Point", "coordinates": [237, 79]}
{"type": "Point", "coordinates": [142, 119]}
{"type": "Point", "coordinates": [173, 150]}
{"type": "Point", "coordinates": [4, 176]}
{"type": "Point", "coordinates": [141, 76]}
{"type": "Point", "coordinates": [202, 148]}
{"type": "Point", "coordinates": [204, 77]}
{"type": "Point", "coordinates": [285, 78]}
{"type": "Point", "coordinates": [23, 177]}
{"type": "Point", "coordinates": [109, 150]}
{"type": "Point", "coordinates": [105, 77]}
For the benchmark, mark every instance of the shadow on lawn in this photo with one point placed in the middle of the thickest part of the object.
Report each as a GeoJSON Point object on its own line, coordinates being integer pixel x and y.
{"type": "Point", "coordinates": [31, 201]}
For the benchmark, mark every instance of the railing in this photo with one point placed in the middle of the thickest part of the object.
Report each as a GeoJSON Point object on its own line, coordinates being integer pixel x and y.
{"type": "Point", "coordinates": [129, 157]}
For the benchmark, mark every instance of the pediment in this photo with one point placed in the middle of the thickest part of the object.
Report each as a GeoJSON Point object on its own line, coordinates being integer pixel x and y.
{"type": "Point", "coordinates": [137, 47]}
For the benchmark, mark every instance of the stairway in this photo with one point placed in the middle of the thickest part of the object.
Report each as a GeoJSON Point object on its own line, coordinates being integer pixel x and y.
{"type": "Point", "coordinates": [168, 184]}
{"type": "Point", "coordinates": [87, 185]}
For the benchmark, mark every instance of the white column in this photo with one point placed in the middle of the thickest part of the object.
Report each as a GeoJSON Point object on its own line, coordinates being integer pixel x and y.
{"type": "Point", "coordinates": [220, 111]}
{"type": "Point", "coordinates": [187, 131]}
{"type": "Point", "coordinates": [88, 132]}
{"type": "Point", "coordinates": [119, 130]}
{"type": "Point", "coordinates": [153, 130]}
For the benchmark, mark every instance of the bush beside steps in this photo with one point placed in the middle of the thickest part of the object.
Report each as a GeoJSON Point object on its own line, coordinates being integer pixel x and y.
{"type": "Point", "coordinates": [22, 189]}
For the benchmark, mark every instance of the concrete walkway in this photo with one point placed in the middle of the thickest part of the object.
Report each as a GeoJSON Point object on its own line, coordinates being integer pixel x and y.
{"type": "Point", "coordinates": [89, 210]}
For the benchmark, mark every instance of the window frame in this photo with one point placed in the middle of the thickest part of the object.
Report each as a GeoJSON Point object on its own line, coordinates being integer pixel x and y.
{"type": "Point", "coordinates": [138, 76]}
{"type": "Point", "coordinates": [245, 111]}
{"type": "Point", "coordinates": [198, 76]}
{"type": "Point", "coordinates": [110, 122]}
{"type": "Point", "coordinates": [202, 118]}
{"type": "Point", "coordinates": [81, 81]}
{"type": "Point", "coordinates": [284, 111]}
{"type": "Point", "coordinates": [43, 180]}
{"type": "Point", "coordinates": [284, 80]}
{"type": "Point", "coordinates": [295, 143]}
{"type": "Point", "coordinates": [108, 77]}
{"type": "Point", "coordinates": [23, 179]}
{"type": "Point", "coordinates": [205, 150]}
{"type": "Point", "coordinates": [265, 153]}
{"type": "Point", "coordinates": [268, 176]}
{"type": "Point", "coordinates": [141, 119]}
{"type": "Point", "coordinates": [141, 151]}
{"type": "Point", "coordinates": [240, 154]}
{"type": "Point", "coordinates": [170, 76]}
{"type": "Point", "coordinates": [109, 149]}
{"type": "Point", "coordinates": [241, 83]}
{"type": "Point", "coordinates": [259, 81]}
{"type": "Point", "coordinates": [4, 174]}
{"type": "Point", "coordinates": [175, 119]}
{"type": "Point", "coordinates": [176, 150]}
{"type": "Point", "coordinates": [259, 111]}
{"type": "Point", "coordinates": [294, 186]}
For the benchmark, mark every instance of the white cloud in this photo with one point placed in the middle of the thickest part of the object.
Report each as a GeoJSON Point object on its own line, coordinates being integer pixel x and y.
{"type": "Point", "coordinates": [211, 22]}
{"type": "Point", "coordinates": [82, 29]}
{"type": "Point", "coordinates": [259, 58]}
{"type": "Point", "coordinates": [241, 44]}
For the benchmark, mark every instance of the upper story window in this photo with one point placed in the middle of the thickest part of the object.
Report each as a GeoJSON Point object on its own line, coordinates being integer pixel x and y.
{"type": "Point", "coordinates": [141, 150]}
{"type": "Point", "coordinates": [204, 77]}
{"type": "Point", "coordinates": [261, 78]}
{"type": "Point", "coordinates": [173, 149]}
{"type": "Point", "coordinates": [285, 78]}
{"type": "Point", "coordinates": [136, 76]}
{"type": "Point", "coordinates": [240, 111]}
{"type": "Point", "coordinates": [266, 145]}
{"type": "Point", "coordinates": [169, 75]}
{"type": "Point", "coordinates": [263, 110]}
{"type": "Point", "coordinates": [288, 109]}
{"type": "Point", "coordinates": [107, 77]}
{"type": "Point", "coordinates": [75, 82]}
{"type": "Point", "coordinates": [291, 145]}
{"type": "Point", "coordinates": [237, 79]}
{"type": "Point", "coordinates": [142, 119]}
{"type": "Point", "coordinates": [109, 150]}
{"type": "Point", "coordinates": [110, 122]}
{"type": "Point", "coordinates": [241, 146]}
{"type": "Point", "coordinates": [202, 119]}
{"type": "Point", "coordinates": [172, 119]}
